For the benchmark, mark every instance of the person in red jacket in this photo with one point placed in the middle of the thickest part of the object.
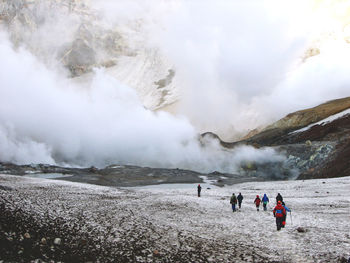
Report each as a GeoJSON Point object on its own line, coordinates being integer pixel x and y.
{"type": "Point", "coordinates": [257, 202]}
{"type": "Point", "coordinates": [279, 212]}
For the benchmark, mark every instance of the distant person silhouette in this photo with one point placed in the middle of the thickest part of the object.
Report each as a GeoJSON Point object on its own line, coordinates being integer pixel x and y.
{"type": "Point", "coordinates": [199, 189]}
{"type": "Point", "coordinates": [279, 198]}
{"type": "Point", "coordinates": [233, 202]}
{"type": "Point", "coordinates": [257, 202]}
{"type": "Point", "coordinates": [265, 200]}
{"type": "Point", "coordinates": [240, 199]}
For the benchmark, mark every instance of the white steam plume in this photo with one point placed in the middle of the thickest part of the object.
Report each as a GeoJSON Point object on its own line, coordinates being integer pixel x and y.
{"type": "Point", "coordinates": [237, 66]}
{"type": "Point", "coordinates": [242, 60]}
{"type": "Point", "coordinates": [45, 118]}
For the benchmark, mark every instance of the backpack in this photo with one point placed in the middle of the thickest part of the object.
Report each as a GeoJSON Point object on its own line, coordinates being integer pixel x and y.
{"type": "Point", "coordinates": [257, 201]}
{"type": "Point", "coordinates": [233, 199]}
{"type": "Point", "coordinates": [278, 211]}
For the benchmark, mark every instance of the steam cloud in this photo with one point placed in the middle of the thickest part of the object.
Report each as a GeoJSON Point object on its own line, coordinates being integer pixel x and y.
{"type": "Point", "coordinates": [237, 72]}
{"type": "Point", "coordinates": [243, 61]}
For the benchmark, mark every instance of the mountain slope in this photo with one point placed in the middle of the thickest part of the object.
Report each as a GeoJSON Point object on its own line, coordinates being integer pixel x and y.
{"type": "Point", "coordinates": [316, 141]}
{"type": "Point", "coordinates": [334, 137]}
{"type": "Point", "coordinates": [299, 119]}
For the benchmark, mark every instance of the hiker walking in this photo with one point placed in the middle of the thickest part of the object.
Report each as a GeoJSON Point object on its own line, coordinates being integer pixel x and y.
{"type": "Point", "coordinates": [257, 202]}
{"type": "Point", "coordinates": [279, 212]}
{"type": "Point", "coordinates": [233, 202]}
{"type": "Point", "coordinates": [285, 216]}
{"type": "Point", "coordinates": [279, 198]}
{"type": "Point", "coordinates": [199, 189]}
{"type": "Point", "coordinates": [265, 200]}
{"type": "Point", "coordinates": [240, 199]}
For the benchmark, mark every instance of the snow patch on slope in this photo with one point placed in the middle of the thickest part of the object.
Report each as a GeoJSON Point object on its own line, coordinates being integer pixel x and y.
{"type": "Point", "coordinates": [324, 121]}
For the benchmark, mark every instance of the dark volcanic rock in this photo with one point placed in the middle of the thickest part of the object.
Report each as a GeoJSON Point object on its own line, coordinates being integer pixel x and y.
{"type": "Point", "coordinates": [301, 230]}
{"type": "Point", "coordinates": [113, 175]}
{"type": "Point", "coordinates": [127, 175]}
{"type": "Point", "coordinates": [338, 164]}
{"type": "Point", "coordinates": [5, 188]}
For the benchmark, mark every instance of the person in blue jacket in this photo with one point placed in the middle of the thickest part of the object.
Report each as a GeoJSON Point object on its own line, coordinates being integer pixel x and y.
{"type": "Point", "coordinates": [285, 216]}
{"type": "Point", "coordinates": [265, 200]}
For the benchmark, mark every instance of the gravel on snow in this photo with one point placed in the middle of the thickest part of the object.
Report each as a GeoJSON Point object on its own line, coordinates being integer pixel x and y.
{"type": "Point", "coordinates": [47, 220]}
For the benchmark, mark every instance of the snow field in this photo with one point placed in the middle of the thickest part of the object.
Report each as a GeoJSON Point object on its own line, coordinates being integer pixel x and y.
{"type": "Point", "coordinates": [320, 206]}
{"type": "Point", "coordinates": [183, 227]}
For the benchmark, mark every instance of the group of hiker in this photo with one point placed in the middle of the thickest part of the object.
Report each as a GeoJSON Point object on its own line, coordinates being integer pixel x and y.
{"type": "Point", "coordinates": [279, 212]}
{"type": "Point", "coordinates": [264, 200]}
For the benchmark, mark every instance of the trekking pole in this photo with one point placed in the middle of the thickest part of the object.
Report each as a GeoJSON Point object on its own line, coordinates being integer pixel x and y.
{"type": "Point", "coordinates": [291, 218]}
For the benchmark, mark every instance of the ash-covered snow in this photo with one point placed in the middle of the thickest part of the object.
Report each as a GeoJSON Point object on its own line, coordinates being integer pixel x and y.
{"type": "Point", "coordinates": [324, 121]}
{"type": "Point", "coordinates": [174, 225]}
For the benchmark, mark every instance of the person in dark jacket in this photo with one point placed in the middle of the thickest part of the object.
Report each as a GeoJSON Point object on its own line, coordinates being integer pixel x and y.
{"type": "Point", "coordinates": [279, 198]}
{"type": "Point", "coordinates": [240, 199]}
{"type": "Point", "coordinates": [233, 202]}
{"type": "Point", "coordinates": [265, 200]}
{"type": "Point", "coordinates": [199, 189]}
{"type": "Point", "coordinates": [279, 212]}
{"type": "Point", "coordinates": [285, 216]}
{"type": "Point", "coordinates": [257, 202]}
